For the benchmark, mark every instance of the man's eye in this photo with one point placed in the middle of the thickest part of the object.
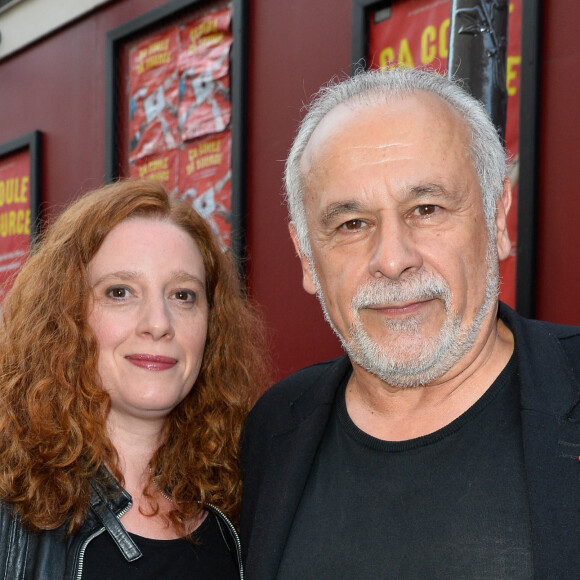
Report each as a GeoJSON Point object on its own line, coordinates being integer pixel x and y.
{"type": "Point", "coordinates": [352, 225]}
{"type": "Point", "coordinates": [425, 210]}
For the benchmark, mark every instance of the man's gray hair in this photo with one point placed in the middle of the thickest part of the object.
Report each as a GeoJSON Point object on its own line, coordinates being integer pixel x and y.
{"type": "Point", "coordinates": [372, 87]}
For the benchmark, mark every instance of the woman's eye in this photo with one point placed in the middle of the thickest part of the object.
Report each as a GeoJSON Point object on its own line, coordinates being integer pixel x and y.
{"type": "Point", "coordinates": [185, 295]}
{"type": "Point", "coordinates": [118, 292]}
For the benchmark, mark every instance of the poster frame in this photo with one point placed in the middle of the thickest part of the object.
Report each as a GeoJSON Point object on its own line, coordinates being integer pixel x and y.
{"type": "Point", "coordinates": [528, 135]}
{"type": "Point", "coordinates": [149, 23]}
{"type": "Point", "coordinates": [33, 142]}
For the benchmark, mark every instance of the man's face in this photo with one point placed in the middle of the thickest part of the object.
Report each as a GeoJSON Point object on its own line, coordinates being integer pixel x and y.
{"type": "Point", "coordinates": [401, 255]}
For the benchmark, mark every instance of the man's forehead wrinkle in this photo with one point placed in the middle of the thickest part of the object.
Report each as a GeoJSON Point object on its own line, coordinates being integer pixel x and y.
{"type": "Point", "coordinates": [380, 146]}
{"type": "Point", "coordinates": [376, 154]}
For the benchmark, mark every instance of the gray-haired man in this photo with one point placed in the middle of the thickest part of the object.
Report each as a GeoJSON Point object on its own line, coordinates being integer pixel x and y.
{"type": "Point", "coordinates": [445, 443]}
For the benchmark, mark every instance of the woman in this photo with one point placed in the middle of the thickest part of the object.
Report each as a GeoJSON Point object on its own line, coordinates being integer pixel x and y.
{"type": "Point", "coordinates": [128, 359]}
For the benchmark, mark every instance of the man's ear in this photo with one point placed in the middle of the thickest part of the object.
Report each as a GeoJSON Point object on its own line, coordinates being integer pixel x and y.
{"type": "Point", "coordinates": [502, 209]}
{"type": "Point", "coordinates": [307, 277]}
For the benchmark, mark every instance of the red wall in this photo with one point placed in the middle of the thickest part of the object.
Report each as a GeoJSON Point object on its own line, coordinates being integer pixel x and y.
{"type": "Point", "coordinates": [558, 264]}
{"type": "Point", "coordinates": [57, 86]}
{"type": "Point", "coordinates": [295, 47]}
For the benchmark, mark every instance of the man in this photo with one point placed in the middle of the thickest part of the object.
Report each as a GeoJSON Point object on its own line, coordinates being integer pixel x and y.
{"type": "Point", "coordinates": [445, 443]}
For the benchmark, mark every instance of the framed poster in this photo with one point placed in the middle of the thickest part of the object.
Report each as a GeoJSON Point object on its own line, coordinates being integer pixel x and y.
{"type": "Point", "coordinates": [175, 107]}
{"type": "Point", "coordinates": [416, 33]}
{"type": "Point", "coordinates": [20, 175]}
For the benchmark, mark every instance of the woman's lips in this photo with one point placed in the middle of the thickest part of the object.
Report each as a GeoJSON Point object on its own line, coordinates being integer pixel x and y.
{"type": "Point", "coordinates": [152, 362]}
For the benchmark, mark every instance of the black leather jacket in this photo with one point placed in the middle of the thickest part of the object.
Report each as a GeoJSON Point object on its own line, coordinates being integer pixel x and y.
{"type": "Point", "coordinates": [50, 555]}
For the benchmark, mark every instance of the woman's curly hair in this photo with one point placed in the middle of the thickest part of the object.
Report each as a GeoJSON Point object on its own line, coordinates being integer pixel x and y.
{"type": "Point", "coordinates": [53, 410]}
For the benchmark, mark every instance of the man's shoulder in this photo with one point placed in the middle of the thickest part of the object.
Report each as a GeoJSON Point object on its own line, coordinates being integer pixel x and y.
{"type": "Point", "coordinates": [559, 331]}
{"type": "Point", "coordinates": [568, 335]}
{"type": "Point", "coordinates": [548, 362]}
{"type": "Point", "coordinates": [295, 384]}
{"type": "Point", "coordinates": [312, 385]}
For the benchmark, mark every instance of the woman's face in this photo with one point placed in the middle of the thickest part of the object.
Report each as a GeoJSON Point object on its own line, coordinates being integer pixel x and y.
{"type": "Point", "coordinates": [149, 315]}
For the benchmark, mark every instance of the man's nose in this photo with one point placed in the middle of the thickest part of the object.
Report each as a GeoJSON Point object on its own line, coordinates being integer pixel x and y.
{"type": "Point", "coordinates": [394, 249]}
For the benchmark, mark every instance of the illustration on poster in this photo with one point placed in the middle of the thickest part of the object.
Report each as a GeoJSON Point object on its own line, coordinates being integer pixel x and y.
{"type": "Point", "coordinates": [205, 88]}
{"type": "Point", "coordinates": [154, 106]}
{"type": "Point", "coordinates": [205, 204]}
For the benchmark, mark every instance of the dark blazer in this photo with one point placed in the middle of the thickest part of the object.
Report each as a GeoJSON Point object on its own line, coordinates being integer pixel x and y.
{"type": "Point", "coordinates": [284, 429]}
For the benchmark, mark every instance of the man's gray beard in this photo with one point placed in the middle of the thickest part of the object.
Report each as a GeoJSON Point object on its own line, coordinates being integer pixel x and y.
{"type": "Point", "coordinates": [419, 360]}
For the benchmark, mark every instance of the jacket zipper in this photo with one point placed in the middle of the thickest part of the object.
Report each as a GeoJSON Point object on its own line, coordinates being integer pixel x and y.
{"type": "Point", "coordinates": [234, 533]}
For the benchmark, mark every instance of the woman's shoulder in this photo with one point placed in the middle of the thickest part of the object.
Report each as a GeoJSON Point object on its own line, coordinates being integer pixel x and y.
{"type": "Point", "coordinates": [19, 546]}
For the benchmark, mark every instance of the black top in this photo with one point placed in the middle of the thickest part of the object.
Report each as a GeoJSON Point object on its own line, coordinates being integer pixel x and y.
{"type": "Point", "coordinates": [208, 557]}
{"type": "Point", "coordinates": [452, 504]}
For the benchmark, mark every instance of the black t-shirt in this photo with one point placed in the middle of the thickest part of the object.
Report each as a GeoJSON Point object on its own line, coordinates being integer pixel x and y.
{"type": "Point", "coordinates": [208, 558]}
{"type": "Point", "coordinates": [452, 504]}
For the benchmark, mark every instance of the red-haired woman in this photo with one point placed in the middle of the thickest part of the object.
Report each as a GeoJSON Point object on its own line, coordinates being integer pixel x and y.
{"type": "Point", "coordinates": [128, 361]}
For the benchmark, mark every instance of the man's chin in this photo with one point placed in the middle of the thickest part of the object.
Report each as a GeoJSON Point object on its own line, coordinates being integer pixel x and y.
{"type": "Point", "coordinates": [405, 337]}
{"type": "Point", "coordinates": [402, 358]}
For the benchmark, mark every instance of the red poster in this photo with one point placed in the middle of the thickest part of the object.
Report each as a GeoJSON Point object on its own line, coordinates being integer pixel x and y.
{"type": "Point", "coordinates": [204, 87]}
{"type": "Point", "coordinates": [416, 34]}
{"type": "Point", "coordinates": [154, 91]}
{"type": "Point", "coordinates": [14, 215]}
{"type": "Point", "coordinates": [161, 168]}
{"type": "Point", "coordinates": [180, 112]}
{"type": "Point", "coordinates": [205, 180]}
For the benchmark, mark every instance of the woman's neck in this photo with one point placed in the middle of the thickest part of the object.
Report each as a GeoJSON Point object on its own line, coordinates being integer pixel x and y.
{"type": "Point", "coordinates": [135, 442]}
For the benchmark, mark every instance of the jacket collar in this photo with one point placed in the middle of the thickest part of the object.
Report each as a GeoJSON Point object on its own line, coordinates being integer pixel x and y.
{"type": "Point", "coordinates": [108, 502]}
{"type": "Point", "coordinates": [319, 391]}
